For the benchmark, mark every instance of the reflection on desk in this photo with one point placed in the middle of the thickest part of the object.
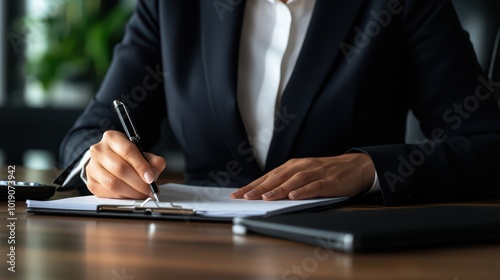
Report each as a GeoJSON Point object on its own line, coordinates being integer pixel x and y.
{"type": "Point", "coordinates": [63, 247]}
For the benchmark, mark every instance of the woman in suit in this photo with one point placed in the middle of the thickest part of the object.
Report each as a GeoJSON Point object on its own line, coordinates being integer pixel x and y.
{"type": "Point", "coordinates": [294, 99]}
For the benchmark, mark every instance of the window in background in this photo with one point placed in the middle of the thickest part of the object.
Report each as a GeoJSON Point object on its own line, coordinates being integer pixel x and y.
{"type": "Point", "coordinates": [37, 11]}
{"type": "Point", "coordinates": [70, 48]}
{"type": "Point", "coordinates": [38, 159]}
{"type": "Point", "coordinates": [56, 54]}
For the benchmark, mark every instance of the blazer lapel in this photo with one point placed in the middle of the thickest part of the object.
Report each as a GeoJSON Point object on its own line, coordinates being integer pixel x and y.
{"type": "Point", "coordinates": [331, 23]}
{"type": "Point", "coordinates": [221, 30]}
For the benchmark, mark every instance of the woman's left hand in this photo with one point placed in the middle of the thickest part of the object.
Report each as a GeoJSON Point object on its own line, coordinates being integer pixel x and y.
{"type": "Point", "coordinates": [303, 178]}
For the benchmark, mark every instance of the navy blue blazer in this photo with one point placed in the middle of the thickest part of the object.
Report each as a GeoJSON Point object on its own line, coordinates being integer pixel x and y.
{"type": "Point", "coordinates": [363, 65]}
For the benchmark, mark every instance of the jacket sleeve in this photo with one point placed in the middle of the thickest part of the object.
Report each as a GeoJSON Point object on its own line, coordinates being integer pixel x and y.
{"type": "Point", "coordinates": [457, 110]}
{"type": "Point", "coordinates": [135, 77]}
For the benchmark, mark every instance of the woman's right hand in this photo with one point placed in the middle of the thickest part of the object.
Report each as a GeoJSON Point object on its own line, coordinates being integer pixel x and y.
{"type": "Point", "coordinates": [117, 169]}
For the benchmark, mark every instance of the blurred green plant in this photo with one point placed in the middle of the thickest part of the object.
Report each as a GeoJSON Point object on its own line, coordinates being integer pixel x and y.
{"type": "Point", "coordinates": [80, 39]}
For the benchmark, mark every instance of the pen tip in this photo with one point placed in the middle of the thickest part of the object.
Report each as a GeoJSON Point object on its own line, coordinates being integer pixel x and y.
{"type": "Point", "coordinates": [156, 197]}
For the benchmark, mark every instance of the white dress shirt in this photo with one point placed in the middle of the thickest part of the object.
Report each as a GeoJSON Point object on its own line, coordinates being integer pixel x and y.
{"type": "Point", "coordinates": [271, 40]}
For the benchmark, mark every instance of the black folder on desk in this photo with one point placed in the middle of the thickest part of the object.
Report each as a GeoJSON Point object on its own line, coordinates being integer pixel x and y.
{"type": "Point", "coordinates": [381, 229]}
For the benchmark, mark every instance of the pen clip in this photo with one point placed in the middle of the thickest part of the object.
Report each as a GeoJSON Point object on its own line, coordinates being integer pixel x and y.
{"type": "Point", "coordinates": [126, 120]}
{"type": "Point", "coordinates": [145, 202]}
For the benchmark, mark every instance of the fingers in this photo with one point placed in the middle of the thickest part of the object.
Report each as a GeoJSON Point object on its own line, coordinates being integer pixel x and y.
{"type": "Point", "coordinates": [301, 185]}
{"type": "Point", "coordinates": [314, 189]}
{"type": "Point", "coordinates": [274, 185]}
{"type": "Point", "coordinates": [117, 168]}
{"type": "Point", "coordinates": [293, 182]}
{"type": "Point", "coordinates": [345, 175]}
{"type": "Point", "coordinates": [128, 151]}
{"type": "Point", "coordinates": [256, 188]}
{"type": "Point", "coordinates": [240, 193]}
{"type": "Point", "coordinates": [104, 184]}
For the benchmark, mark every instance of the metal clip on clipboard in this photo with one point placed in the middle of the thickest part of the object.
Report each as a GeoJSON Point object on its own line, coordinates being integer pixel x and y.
{"type": "Point", "coordinates": [143, 209]}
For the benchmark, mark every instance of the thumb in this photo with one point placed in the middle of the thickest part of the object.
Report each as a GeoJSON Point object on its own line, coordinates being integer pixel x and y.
{"type": "Point", "coordinates": [157, 163]}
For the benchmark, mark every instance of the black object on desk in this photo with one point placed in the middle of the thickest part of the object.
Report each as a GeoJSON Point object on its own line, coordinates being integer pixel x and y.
{"type": "Point", "coordinates": [375, 230]}
{"type": "Point", "coordinates": [25, 190]}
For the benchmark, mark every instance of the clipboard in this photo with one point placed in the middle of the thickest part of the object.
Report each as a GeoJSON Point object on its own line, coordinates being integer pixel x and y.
{"type": "Point", "coordinates": [133, 212]}
{"type": "Point", "coordinates": [179, 202]}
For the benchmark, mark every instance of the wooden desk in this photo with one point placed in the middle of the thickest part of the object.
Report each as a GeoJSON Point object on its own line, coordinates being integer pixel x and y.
{"type": "Point", "coordinates": [62, 247]}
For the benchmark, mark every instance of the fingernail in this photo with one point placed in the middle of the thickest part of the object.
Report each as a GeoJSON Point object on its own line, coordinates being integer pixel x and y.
{"type": "Point", "coordinates": [149, 177]}
{"type": "Point", "coordinates": [250, 194]}
{"type": "Point", "coordinates": [268, 194]}
{"type": "Point", "coordinates": [236, 193]}
{"type": "Point", "coordinates": [294, 194]}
